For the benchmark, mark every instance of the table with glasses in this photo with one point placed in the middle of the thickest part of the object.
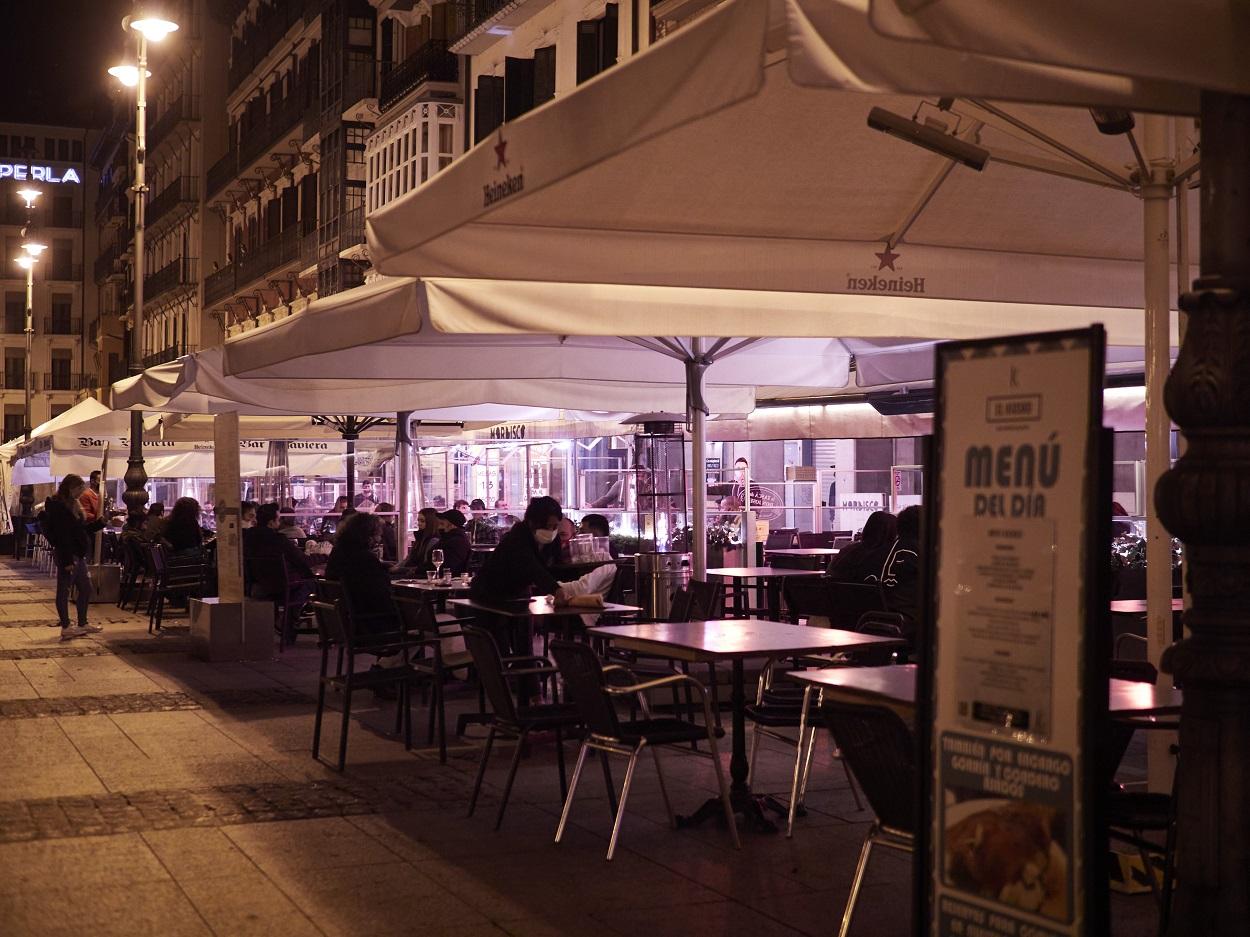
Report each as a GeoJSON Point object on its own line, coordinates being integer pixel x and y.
{"type": "Point", "coordinates": [525, 611]}
{"type": "Point", "coordinates": [737, 577]}
{"type": "Point", "coordinates": [735, 641]}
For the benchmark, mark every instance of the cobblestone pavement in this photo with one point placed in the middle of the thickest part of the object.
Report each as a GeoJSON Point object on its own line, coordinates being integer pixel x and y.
{"type": "Point", "coordinates": [143, 792]}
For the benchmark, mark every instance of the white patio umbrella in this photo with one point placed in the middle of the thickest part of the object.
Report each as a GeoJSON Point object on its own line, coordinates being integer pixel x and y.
{"type": "Point", "coordinates": [659, 199]}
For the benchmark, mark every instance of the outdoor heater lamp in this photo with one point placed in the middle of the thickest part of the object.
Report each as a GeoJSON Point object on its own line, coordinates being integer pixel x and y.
{"type": "Point", "coordinates": [971, 155]}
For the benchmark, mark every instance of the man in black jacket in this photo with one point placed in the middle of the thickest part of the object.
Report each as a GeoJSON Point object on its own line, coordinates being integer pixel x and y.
{"type": "Point", "coordinates": [900, 575]}
{"type": "Point", "coordinates": [264, 549]}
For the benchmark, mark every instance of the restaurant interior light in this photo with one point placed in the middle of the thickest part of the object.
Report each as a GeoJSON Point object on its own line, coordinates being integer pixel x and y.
{"type": "Point", "coordinates": [128, 75]}
{"type": "Point", "coordinates": [153, 28]}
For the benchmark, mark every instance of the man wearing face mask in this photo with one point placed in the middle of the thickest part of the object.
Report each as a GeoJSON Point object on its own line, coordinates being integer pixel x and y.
{"type": "Point", "coordinates": [515, 569]}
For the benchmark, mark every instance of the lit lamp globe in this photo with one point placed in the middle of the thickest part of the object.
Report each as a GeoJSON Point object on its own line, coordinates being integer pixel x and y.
{"type": "Point", "coordinates": [152, 28]}
{"type": "Point", "coordinates": [128, 75]}
{"type": "Point", "coordinates": [26, 261]}
{"type": "Point", "coordinates": [28, 196]}
{"type": "Point", "coordinates": [33, 247]}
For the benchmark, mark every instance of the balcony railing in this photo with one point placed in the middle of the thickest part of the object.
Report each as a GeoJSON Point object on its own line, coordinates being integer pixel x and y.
{"type": "Point", "coordinates": [182, 190]}
{"type": "Point", "coordinates": [222, 172]}
{"type": "Point", "coordinates": [167, 354]}
{"type": "Point", "coordinates": [186, 107]}
{"type": "Point", "coordinates": [469, 14]}
{"type": "Point", "coordinates": [272, 22]}
{"type": "Point", "coordinates": [65, 272]}
{"type": "Point", "coordinates": [431, 62]}
{"type": "Point", "coordinates": [179, 272]}
{"type": "Point", "coordinates": [263, 259]}
{"type": "Point", "coordinates": [62, 325]}
{"type": "Point", "coordinates": [67, 380]}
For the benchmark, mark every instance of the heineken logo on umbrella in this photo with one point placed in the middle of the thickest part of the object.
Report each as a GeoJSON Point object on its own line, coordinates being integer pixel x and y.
{"type": "Point", "coordinates": [511, 184]}
{"type": "Point", "coordinates": [886, 259]}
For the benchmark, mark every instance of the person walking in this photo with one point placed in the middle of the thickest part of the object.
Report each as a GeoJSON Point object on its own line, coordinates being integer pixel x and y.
{"type": "Point", "coordinates": [68, 531]}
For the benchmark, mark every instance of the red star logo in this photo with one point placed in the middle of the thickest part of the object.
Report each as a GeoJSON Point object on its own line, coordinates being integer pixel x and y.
{"type": "Point", "coordinates": [886, 258]}
{"type": "Point", "coordinates": [501, 153]}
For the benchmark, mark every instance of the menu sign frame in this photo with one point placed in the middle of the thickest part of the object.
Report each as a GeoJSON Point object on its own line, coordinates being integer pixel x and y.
{"type": "Point", "coordinates": [1012, 687]}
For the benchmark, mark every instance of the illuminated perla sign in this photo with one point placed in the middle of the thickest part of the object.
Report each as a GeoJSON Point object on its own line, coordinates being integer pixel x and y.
{"type": "Point", "coordinates": [24, 172]}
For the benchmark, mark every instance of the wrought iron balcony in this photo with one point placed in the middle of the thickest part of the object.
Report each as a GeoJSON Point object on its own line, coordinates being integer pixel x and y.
{"type": "Point", "coordinates": [62, 325]}
{"type": "Point", "coordinates": [182, 190]}
{"type": "Point", "coordinates": [180, 272]}
{"type": "Point", "coordinates": [184, 108]}
{"type": "Point", "coordinates": [67, 381]}
{"type": "Point", "coordinates": [431, 62]}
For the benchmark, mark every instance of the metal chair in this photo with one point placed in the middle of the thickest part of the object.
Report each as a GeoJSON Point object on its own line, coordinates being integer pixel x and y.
{"type": "Point", "coordinates": [781, 538]}
{"type": "Point", "coordinates": [848, 601]}
{"type": "Point", "coordinates": [807, 597]}
{"type": "Point", "coordinates": [512, 720]}
{"type": "Point", "coordinates": [819, 540]}
{"type": "Point", "coordinates": [338, 633]}
{"type": "Point", "coordinates": [878, 747]}
{"type": "Point", "coordinates": [586, 684]}
{"type": "Point", "coordinates": [173, 578]}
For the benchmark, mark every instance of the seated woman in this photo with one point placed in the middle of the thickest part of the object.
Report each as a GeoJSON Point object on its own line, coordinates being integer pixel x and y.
{"type": "Point", "coordinates": [182, 531]}
{"type": "Point", "coordinates": [862, 561]}
{"type": "Point", "coordinates": [418, 562]}
{"type": "Point", "coordinates": [365, 579]}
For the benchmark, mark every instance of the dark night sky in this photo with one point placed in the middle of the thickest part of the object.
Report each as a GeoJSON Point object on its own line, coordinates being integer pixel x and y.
{"type": "Point", "coordinates": [54, 57]}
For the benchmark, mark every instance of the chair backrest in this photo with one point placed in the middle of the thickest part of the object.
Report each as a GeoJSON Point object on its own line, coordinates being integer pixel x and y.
{"type": "Point", "coordinates": [680, 606]}
{"type": "Point", "coordinates": [584, 683]}
{"type": "Point", "coordinates": [806, 597]}
{"type": "Point", "coordinates": [782, 538]}
{"type": "Point", "coordinates": [416, 614]}
{"type": "Point", "coordinates": [331, 624]}
{"type": "Point", "coordinates": [848, 601]}
{"type": "Point", "coordinates": [809, 539]}
{"type": "Point", "coordinates": [878, 747]}
{"type": "Point", "coordinates": [489, 664]}
{"type": "Point", "coordinates": [843, 540]}
{"type": "Point", "coordinates": [328, 590]}
{"type": "Point", "coordinates": [707, 600]}
{"type": "Point", "coordinates": [885, 625]}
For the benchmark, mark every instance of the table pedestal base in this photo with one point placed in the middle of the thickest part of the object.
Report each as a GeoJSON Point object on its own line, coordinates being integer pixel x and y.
{"type": "Point", "coordinates": [748, 805]}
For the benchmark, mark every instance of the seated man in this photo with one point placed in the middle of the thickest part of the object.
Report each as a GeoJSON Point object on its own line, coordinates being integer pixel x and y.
{"type": "Point", "coordinates": [264, 549]}
{"type": "Point", "coordinates": [597, 526]}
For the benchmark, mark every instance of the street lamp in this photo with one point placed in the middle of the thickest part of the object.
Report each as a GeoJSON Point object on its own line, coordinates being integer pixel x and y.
{"type": "Point", "coordinates": [32, 247]}
{"type": "Point", "coordinates": [147, 28]}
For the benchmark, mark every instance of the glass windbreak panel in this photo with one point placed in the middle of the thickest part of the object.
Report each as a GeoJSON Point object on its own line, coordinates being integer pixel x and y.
{"type": "Point", "coordinates": [435, 476]}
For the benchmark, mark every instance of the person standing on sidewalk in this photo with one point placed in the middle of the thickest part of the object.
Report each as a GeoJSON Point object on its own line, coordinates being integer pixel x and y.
{"type": "Point", "coordinates": [69, 533]}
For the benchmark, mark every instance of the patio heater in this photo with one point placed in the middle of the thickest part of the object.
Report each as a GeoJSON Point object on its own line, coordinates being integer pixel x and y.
{"type": "Point", "coordinates": [663, 562]}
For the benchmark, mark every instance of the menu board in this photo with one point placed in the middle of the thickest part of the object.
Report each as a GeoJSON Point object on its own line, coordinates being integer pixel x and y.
{"type": "Point", "coordinates": [1007, 843]}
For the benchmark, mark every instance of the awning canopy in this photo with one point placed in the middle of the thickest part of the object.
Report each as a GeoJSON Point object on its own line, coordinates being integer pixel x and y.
{"type": "Point", "coordinates": [1019, 51]}
{"type": "Point", "coordinates": [1178, 43]}
{"type": "Point", "coordinates": [700, 164]}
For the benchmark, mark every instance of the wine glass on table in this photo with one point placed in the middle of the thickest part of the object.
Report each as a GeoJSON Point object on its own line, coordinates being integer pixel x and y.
{"type": "Point", "coordinates": [436, 557]}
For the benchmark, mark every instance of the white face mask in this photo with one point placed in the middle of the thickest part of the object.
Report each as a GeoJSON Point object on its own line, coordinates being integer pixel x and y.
{"type": "Point", "coordinates": [544, 536]}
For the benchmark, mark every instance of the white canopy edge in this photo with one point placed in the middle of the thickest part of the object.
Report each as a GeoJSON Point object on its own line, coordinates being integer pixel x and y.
{"type": "Point", "coordinates": [514, 306]}
{"type": "Point", "coordinates": [833, 43]}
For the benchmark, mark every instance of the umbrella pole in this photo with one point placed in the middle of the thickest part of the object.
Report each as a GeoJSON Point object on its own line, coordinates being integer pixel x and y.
{"type": "Point", "coordinates": [695, 369]}
{"type": "Point", "coordinates": [403, 444]}
{"type": "Point", "coordinates": [1156, 198]}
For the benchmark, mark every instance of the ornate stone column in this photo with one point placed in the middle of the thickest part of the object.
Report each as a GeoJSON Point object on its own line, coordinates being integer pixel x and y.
{"type": "Point", "coordinates": [1205, 501]}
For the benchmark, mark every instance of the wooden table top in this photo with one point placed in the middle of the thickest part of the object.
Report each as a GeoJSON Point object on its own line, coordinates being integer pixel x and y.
{"type": "Point", "coordinates": [1138, 606]}
{"type": "Point", "coordinates": [806, 551]}
{"type": "Point", "coordinates": [761, 572]}
{"type": "Point", "coordinates": [737, 638]}
{"type": "Point", "coordinates": [896, 686]}
{"type": "Point", "coordinates": [540, 606]}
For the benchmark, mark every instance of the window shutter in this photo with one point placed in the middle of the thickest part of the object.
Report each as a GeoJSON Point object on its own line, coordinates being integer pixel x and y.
{"type": "Point", "coordinates": [487, 106]}
{"type": "Point", "coordinates": [608, 37]}
{"type": "Point", "coordinates": [544, 74]}
{"type": "Point", "coordinates": [518, 87]}
{"type": "Point", "coordinates": [588, 33]}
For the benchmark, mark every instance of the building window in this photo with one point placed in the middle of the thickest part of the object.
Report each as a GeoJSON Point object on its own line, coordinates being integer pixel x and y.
{"type": "Point", "coordinates": [63, 211]}
{"type": "Point", "coordinates": [62, 361]}
{"type": "Point", "coordinates": [14, 313]}
{"type": "Point", "coordinates": [62, 150]}
{"type": "Point", "coordinates": [58, 409]}
{"type": "Point", "coordinates": [596, 44]}
{"type": "Point", "coordinates": [76, 151]}
{"type": "Point", "coordinates": [62, 314]}
{"type": "Point", "coordinates": [49, 148]}
{"type": "Point", "coordinates": [14, 421]}
{"type": "Point", "coordinates": [14, 370]}
{"type": "Point", "coordinates": [62, 259]}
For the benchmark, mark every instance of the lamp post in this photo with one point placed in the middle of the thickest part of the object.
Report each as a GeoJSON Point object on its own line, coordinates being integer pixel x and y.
{"type": "Point", "coordinates": [146, 28]}
{"type": "Point", "coordinates": [32, 247]}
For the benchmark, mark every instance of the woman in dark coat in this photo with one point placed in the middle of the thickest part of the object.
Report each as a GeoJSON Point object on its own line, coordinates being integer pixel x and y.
{"type": "Point", "coordinates": [863, 560]}
{"type": "Point", "coordinates": [423, 544]}
{"type": "Point", "coordinates": [69, 534]}
{"type": "Point", "coordinates": [366, 580]}
{"type": "Point", "coordinates": [182, 531]}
